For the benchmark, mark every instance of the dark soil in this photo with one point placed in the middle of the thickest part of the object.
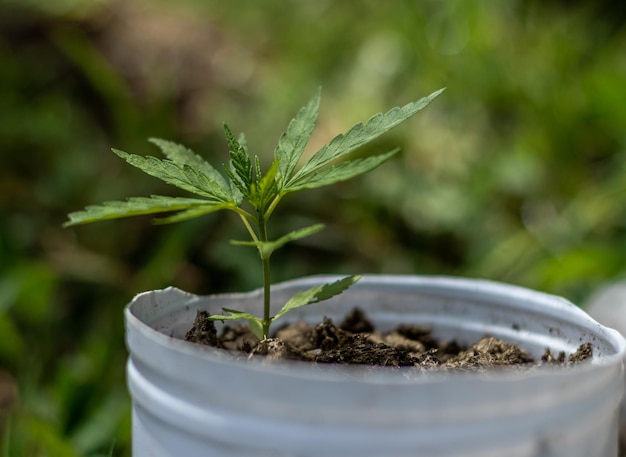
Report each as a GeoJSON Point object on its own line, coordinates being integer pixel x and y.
{"type": "Point", "coordinates": [356, 341]}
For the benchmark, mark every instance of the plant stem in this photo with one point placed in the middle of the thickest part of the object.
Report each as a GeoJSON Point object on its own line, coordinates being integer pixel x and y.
{"type": "Point", "coordinates": [273, 205]}
{"type": "Point", "coordinates": [243, 215]}
{"type": "Point", "coordinates": [266, 278]}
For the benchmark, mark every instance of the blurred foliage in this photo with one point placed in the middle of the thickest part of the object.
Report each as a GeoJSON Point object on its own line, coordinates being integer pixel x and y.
{"type": "Point", "coordinates": [516, 173]}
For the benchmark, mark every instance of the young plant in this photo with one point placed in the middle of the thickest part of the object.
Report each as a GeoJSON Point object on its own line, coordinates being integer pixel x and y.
{"type": "Point", "coordinates": [254, 195]}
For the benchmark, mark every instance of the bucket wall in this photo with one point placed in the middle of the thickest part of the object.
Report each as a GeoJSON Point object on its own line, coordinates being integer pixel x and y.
{"type": "Point", "coordinates": [198, 401]}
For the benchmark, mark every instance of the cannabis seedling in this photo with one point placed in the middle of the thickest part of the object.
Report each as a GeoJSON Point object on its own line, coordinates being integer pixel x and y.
{"type": "Point", "coordinates": [254, 195]}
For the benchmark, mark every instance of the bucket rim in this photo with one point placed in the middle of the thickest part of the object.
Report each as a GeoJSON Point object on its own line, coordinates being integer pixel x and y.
{"type": "Point", "coordinates": [548, 304]}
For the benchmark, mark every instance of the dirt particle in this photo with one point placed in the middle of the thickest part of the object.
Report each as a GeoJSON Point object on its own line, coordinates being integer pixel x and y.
{"type": "Point", "coordinates": [356, 322]}
{"type": "Point", "coordinates": [584, 352]}
{"type": "Point", "coordinates": [203, 330]}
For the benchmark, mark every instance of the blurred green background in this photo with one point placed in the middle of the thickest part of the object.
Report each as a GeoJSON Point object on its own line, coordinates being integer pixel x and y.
{"type": "Point", "coordinates": [516, 173]}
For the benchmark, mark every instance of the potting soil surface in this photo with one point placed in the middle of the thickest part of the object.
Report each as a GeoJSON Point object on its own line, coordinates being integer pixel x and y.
{"type": "Point", "coordinates": [356, 341]}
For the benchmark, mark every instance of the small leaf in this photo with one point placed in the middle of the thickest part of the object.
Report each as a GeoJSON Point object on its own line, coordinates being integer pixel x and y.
{"type": "Point", "coordinates": [233, 314]}
{"type": "Point", "coordinates": [182, 176]}
{"type": "Point", "coordinates": [181, 155]}
{"type": "Point", "coordinates": [356, 136]}
{"type": "Point", "coordinates": [296, 235]}
{"type": "Point", "coordinates": [342, 171]}
{"type": "Point", "coordinates": [265, 189]}
{"type": "Point", "coordinates": [192, 213]}
{"type": "Point", "coordinates": [292, 143]}
{"type": "Point", "coordinates": [317, 294]}
{"type": "Point", "coordinates": [256, 327]}
{"type": "Point", "coordinates": [240, 171]}
{"type": "Point", "coordinates": [136, 206]}
{"type": "Point", "coordinates": [255, 323]}
{"type": "Point", "coordinates": [266, 248]}
{"type": "Point", "coordinates": [246, 243]}
{"type": "Point", "coordinates": [243, 142]}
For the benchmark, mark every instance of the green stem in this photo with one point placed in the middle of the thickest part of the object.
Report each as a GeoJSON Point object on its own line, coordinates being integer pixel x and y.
{"type": "Point", "coordinates": [266, 298]}
{"type": "Point", "coordinates": [244, 217]}
{"type": "Point", "coordinates": [266, 279]}
{"type": "Point", "coordinates": [262, 237]}
{"type": "Point", "coordinates": [272, 206]}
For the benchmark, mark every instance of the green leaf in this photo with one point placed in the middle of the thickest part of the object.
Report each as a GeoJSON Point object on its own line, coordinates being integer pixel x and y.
{"type": "Point", "coordinates": [192, 213]}
{"type": "Point", "coordinates": [256, 326]}
{"type": "Point", "coordinates": [356, 136]}
{"type": "Point", "coordinates": [255, 323]}
{"type": "Point", "coordinates": [180, 175]}
{"type": "Point", "coordinates": [233, 314]}
{"type": "Point", "coordinates": [266, 248]}
{"type": "Point", "coordinates": [265, 189]}
{"type": "Point", "coordinates": [343, 171]}
{"type": "Point", "coordinates": [317, 294]}
{"type": "Point", "coordinates": [240, 171]}
{"type": "Point", "coordinates": [243, 142]}
{"type": "Point", "coordinates": [136, 206]}
{"type": "Point", "coordinates": [292, 143]}
{"type": "Point", "coordinates": [181, 155]}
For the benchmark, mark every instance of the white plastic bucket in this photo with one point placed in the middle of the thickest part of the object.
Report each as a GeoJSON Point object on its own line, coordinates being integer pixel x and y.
{"type": "Point", "coordinates": [191, 400]}
{"type": "Point", "coordinates": [608, 306]}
